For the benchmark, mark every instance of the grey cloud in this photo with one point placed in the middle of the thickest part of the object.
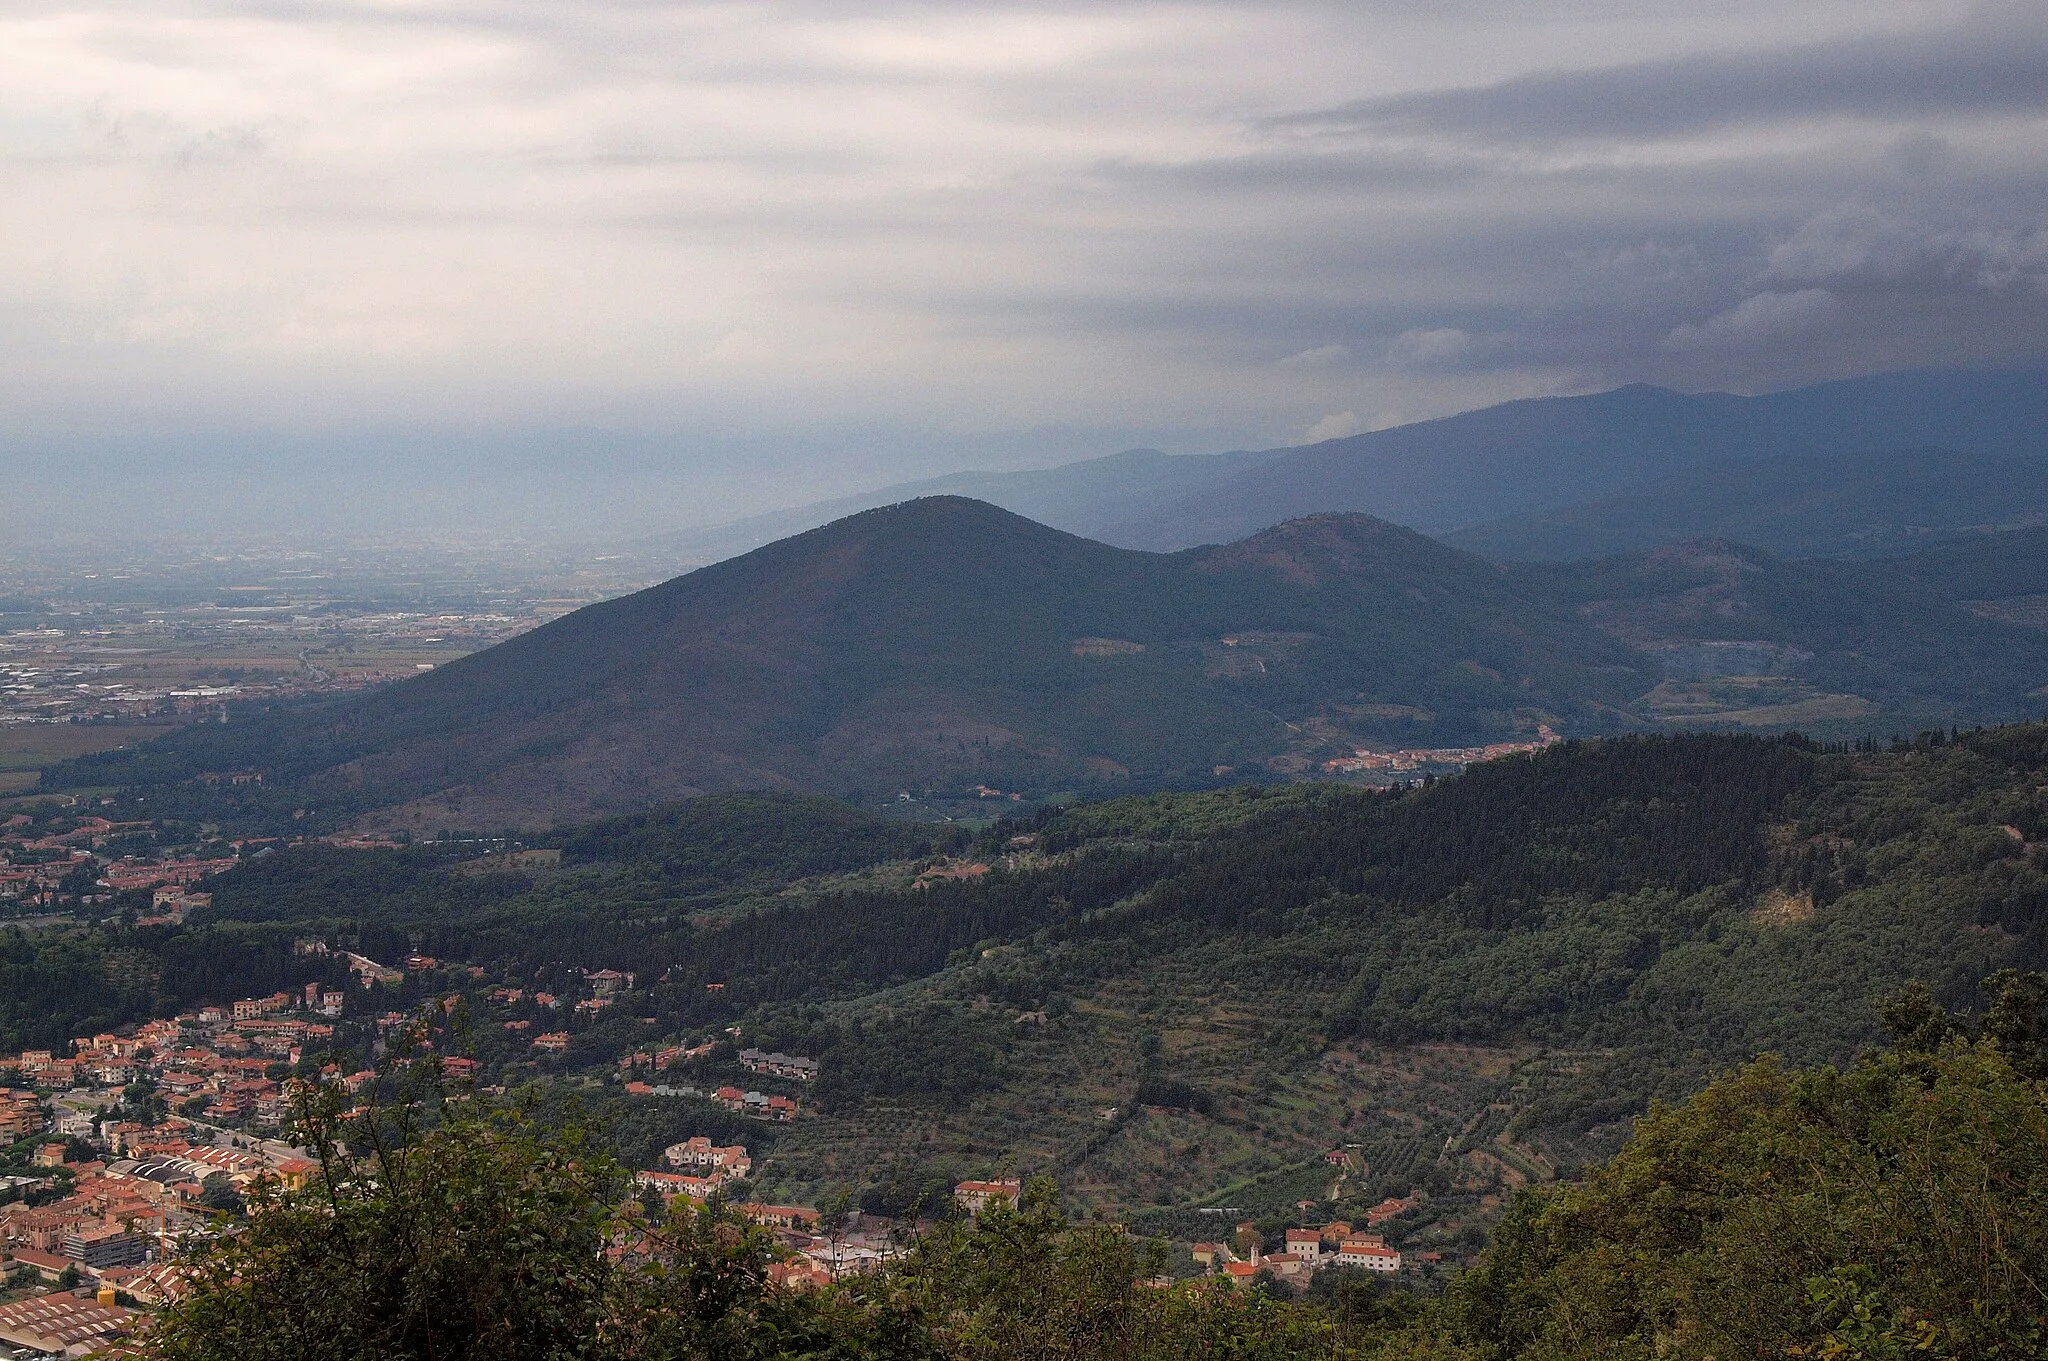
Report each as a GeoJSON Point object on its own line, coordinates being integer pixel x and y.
{"type": "Point", "coordinates": [1431, 345]}
{"type": "Point", "coordinates": [1856, 242]}
{"type": "Point", "coordinates": [1765, 318]}
{"type": "Point", "coordinates": [1973, 71]}
{"type": "Point", "coordinates": [1317, 357]}
{"type": "Point", "coordinates": [685, 216]}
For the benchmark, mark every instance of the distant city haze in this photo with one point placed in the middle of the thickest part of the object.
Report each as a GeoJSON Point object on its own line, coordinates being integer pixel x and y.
{"type": "Point", "coordinates": [595, 271]}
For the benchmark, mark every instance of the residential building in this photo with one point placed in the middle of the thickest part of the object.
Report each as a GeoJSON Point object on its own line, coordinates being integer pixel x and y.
{"type": "Point", "coordinates": [62, 1325]}
{"type": "Point", "coordinates": [105, 1246]}
{"type": "Point", "coordinates": [1388, 1209]}
{"type": "Point", "coordinates": [1371, 1253]}
{"type": "Point", "coordinates": [781, 1216]}
{"type": "Point", "coordinates": [976, 1196]}
{"type": "Point", "coordinates": [1307, 1244]}
{"type": "Point", "coordinates": [779, 1065]}
{"type": "Point", "coordinates": [701, 1155]}
{"type": "Point", "coordinates": [676, 1184]}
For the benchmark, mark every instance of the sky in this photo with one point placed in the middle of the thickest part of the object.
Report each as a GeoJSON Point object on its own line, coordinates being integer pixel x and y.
{"type": "Point", "coordinates": [629, 264]}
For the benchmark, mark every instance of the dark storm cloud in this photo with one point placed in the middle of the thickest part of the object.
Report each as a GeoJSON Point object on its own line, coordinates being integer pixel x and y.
{"type": "Point", "coordinates": [1980, 70]}
{"type": "Point", "coordinates": [826, 246]}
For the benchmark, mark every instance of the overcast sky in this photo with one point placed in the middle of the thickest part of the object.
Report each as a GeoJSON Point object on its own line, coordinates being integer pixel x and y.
{"type": "Point", "coordinates": [776, 251]}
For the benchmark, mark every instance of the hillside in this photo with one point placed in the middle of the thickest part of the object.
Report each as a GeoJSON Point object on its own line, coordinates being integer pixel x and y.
{"type": "Point", "coordinates": [944, 647]}
{"type": "Point", "coordinates": [1538, 455]}
{"type": "Point", "coordinates": [1186, 1000]}
{"type": "Point", "coordinates": [1856, 505]}
{"type": "Point", "coordinates": [942, 643]}
{"type": "Point", "coordinates": [2000, 575]}
{"type": "Point", "coordinates": [1748, 639]}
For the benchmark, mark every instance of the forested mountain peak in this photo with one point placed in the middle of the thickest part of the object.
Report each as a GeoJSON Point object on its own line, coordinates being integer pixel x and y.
{"type": "Point", "coordinates": [1316, 550]}
{"type": "Point", "coordinates": [943, 646]}
{"type": "Point", "coordinates": [1718, 556]}
{"type": "Point", "coordinates": [937, 644]}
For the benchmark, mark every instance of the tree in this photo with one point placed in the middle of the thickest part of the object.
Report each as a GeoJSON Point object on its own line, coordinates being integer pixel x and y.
{"type": "Point", "coordinates": [1891, 1209]}
{"type": "Point", "coordinates": [218, 1193]}
{"type": "Point", "coordinates": [471, 1239]}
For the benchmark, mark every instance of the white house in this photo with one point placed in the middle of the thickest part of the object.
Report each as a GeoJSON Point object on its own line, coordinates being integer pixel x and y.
{"type": "Point", "coordinates": [1373, 1254]}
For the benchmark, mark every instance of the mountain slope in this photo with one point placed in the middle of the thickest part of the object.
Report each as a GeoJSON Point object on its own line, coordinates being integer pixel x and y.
{"type": "Point", "coordinates": [1536, 455]}
{"type": "Point", "coordinates": [941, 643]}
{"type": "Point", "coordinates": [1485, 976]}
{"type": "Point", "coordinates": [1842, 505]}
{"type": "Point", "coordinates": [2007, 568]}
{"type": "Point", "coordinates": [945, 646]}
{"type": "Point", "coordinates": [1752, 640]}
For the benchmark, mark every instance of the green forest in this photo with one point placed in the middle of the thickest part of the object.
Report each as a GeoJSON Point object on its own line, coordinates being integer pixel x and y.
{"type": "Point", "coordinates": [1477, 982]}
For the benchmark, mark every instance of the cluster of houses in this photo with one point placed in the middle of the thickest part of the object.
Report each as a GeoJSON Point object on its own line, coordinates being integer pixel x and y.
{"type": "Point", "coordinates": [862, 1243]}
{"type": "Point", "coordinates": [116, 1223]}
{"type": "Point", "coordinates": [221, 1055]}
{"type": "Point", "coordinates": [120, 1220]}
{"type": "Point", "coordinates": [659, 1060]}
{"type": "Point", "coordinates": [1304, 1251]}
{"type": "Point", "coordinates": [759, 1105]}
{"type": "Point", "coordinates": [865, 1243]}
{"type": "Point", "coordinates": [700, 1168]}
{"type": "Point", "coordinates": [756, 1105]}
{"type": "Point", "coordinates": [779, 1065]}
{"type": "Point", "coordinates": [36, 865]}
{"type": "Point", "coordinates": [1418, 758]}
{"type": "Point", "coordinates": [605, 984]}
{"type": "Point", "coordinates": [121, 876]}
{"type": "Point", "coordinates": [33, 865]}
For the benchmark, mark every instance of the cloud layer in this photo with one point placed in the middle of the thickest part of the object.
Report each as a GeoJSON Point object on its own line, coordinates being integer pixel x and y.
{"type": "Point", "coordinates": [856, 241]}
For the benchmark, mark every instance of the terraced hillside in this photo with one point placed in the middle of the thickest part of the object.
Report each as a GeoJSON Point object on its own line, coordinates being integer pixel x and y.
{"type": "Point", "coordinates": [1184, 1001]}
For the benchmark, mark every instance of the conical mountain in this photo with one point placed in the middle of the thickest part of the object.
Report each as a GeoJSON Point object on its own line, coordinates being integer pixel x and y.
{"type": "Point", "coordinates": [942, 643]}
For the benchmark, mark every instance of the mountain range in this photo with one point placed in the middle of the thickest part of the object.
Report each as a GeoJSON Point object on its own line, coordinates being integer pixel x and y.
{"type": "Point", "coordinates": [1835, 505]}
{"type": "Point", "coordinates": [1864, 466]}
{"type": "Point", "coordinates": [945, 644]}
{"type": "Point", "coordinates": [1537, 455]}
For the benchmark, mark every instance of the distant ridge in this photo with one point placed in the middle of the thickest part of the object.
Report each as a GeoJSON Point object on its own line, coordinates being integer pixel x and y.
{"type": "Point", "coordinates": [1531, 456]}
{"type": "Point", "coordinates": [1836, 505]}
{"type": "Point", "coordinates": [1520, 459]}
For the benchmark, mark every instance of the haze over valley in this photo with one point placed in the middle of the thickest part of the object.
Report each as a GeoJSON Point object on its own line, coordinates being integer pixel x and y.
{"type": "Point", "coordinates": [686, 681]}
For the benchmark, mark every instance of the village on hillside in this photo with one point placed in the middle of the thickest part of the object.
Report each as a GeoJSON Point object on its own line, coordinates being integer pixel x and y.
{"type": "Point", "coordinates": [1413, 759]}
{"type": "Point", "coordinates": [148, 1140]}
